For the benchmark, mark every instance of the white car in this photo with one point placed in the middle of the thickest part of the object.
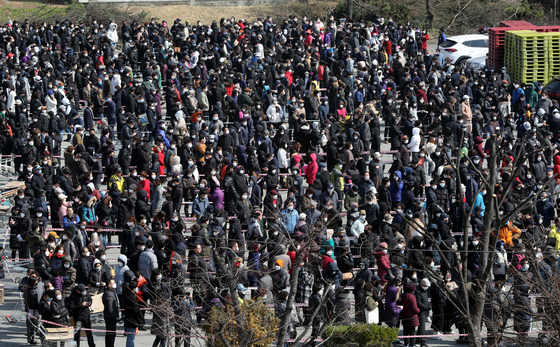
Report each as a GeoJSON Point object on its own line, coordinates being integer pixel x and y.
{"type": "Point", "coordinates": [463, 47]}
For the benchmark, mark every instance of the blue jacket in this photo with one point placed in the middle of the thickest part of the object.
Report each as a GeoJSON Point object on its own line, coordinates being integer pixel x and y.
{"type": "Point", "coordinates": [479, 201]}
{"type": "Point", "coordinates": [323, 113]}
{"type": "Point", "coordinates": [359, 97]}
{"type": "Point", "coordinates": [546, 209]}
{"type": "Point", "coordinates": [516, 94]}
{"type": "Point", "coordinates": [88, 118]}
{"type": "Point", "coordinates": [165, 140]}
{"type": "Point", "coordinates": [396, 188]}
{"type": "Point", "coordinates": [289, 219]}
{"type": "Point", "coordinates": [111, 112]}
{"type": "Point", "coordinates": [67, 223]}
{"type": "Point", "coordinates": [199, 206]}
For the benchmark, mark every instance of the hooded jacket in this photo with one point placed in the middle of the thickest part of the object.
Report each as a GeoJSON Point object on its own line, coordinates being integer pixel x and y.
{"type": "Point", "coordinates": [397, 188]}
{"type": "Point", "coordinates": [312, 168]}
{"type": "Point", "coordinates": [119, 273]}
{"type": "Point", "coordinates": [392, 310]}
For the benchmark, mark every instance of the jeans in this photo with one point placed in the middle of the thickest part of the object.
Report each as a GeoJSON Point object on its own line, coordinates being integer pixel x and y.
{"type": "Point", "coordinates": [130, 336]}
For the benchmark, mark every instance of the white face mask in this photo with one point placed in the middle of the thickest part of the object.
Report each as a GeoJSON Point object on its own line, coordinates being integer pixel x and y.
{"type": "Point", "coordinates": [59, 297]}
{"type": "Point", "coordinates": [67, 266]}
{"type": "Point", "coordinates": [277, 267]}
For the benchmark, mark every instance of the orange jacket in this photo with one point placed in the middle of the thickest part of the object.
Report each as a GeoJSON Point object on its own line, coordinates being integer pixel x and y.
{"type": "Point", "coordinates": [508, 233]}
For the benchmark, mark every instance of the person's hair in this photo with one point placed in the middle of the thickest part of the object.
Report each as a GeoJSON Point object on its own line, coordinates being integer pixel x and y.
{"type": "Point", "coordinates": [282, 295]}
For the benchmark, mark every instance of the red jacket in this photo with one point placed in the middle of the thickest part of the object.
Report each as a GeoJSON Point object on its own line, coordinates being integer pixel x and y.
{"type": "Point", "coordinates": [424, 40]}
{"type": "Point", "coordinates": [409, 313]}
{"type": "Point", "coordinates": [383, 264]}
{"type": "Point", "coordinates": [144, 185]}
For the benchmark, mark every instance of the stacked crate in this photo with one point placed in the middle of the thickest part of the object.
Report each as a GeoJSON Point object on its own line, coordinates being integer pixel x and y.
{"type": "Point", "coordinates": [496, 44]}
{"type": "Point", "coordinates": [527, 55]}
{"type": "Point", "coordinates": [514, 24]}
{"type": "Point", "coordinates": [553, 54]}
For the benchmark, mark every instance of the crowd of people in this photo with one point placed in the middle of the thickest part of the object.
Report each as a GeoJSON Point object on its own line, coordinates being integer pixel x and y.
{"type": "Point", "coordinates": [174, 124]}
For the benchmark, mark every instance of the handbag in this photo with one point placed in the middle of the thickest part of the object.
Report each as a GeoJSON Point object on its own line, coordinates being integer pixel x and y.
{"type": "Point", "coordinates": [372, 317]}
{"type": "Point", "coordinates": [347, 276]}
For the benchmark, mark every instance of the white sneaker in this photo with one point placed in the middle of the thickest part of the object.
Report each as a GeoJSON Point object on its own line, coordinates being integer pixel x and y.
{"type": "Point", "coordinates": [437, 336]}
{"type": "Point", "coordinates": [429, 320]}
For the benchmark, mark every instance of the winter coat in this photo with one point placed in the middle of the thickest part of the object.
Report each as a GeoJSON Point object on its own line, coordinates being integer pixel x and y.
{"type": "Point", "coordinates": [133, 318]}
{"type": "Point", "coordinates": [147, 262]}
{"type": "Point", "coordinates": [423, 302]}
{"type": "Point", "coordinates": [392, 311]}
{"type": "Point", "coordinates": [75, 305]}
{"type": "Point", "coordinates": [409, 314]}
{"type": "Point", "coordinates": [110, 304]}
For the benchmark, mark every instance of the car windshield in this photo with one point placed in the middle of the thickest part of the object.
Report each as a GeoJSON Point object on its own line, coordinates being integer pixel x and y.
{"type": "Point", "coordinates": [448, 43]}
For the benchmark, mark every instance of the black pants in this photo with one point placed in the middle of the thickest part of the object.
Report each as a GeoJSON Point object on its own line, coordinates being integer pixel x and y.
{"type": "Point", "coordinates": [110, 324]}
{"type": "Point", "coordinates": [438, 318]}
{"type": "Point", "coordinates": [184, 331]}
{"type": "Point", "coordinates": [86, 324]}
{"type": "Point", "coordinates": [409, 331]}
{"type": "Point", "coordinates": [421, 329]}
{"type": "Point", "coordinates": [31, 324]}
{"type": "Point", "coordinates": [448, 317]}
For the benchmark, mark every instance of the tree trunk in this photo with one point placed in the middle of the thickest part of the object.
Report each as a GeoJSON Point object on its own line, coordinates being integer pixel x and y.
{"type": "Point", "coordinates": [349, 4]}
{"type": "Point", "coordinates": [430, 14]}
{"type": "Point", "coordinates": [294, 279]}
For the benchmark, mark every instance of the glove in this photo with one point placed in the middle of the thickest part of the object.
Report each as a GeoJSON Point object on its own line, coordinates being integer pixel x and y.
{"type": "Point", "coordinates": [19, 238]}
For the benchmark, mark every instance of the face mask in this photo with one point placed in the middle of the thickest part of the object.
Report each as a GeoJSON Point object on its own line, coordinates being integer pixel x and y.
{"type": "Point", "coordinates": [114, 286]}
{"type": "Point", "coordinates": [525, 267]}
{"type": "Point", "coordinates": [244, 196]}
{"type": "Point", "coordinates": [98, 268]}
{"type": "Point", "coordinates": [329, 253]}
{"type": "Point", "coordinates": [277, 267]}
{"type": "Point", "coordinates": [60, 252]}
{"type": "Point", "coordinates": [475, 243]}
{"type": "Point", "coordinates": [290, 208]}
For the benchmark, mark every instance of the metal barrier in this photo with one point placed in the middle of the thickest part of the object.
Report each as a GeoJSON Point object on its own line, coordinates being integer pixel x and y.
{"type": "Point", "coordinates": [7, 167]}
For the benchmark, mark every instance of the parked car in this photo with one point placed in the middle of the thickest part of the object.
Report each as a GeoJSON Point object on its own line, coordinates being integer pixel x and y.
{"type": "Point", "coordinates": [553, 88]}
{"type": "Point", "coordinates": [463, 47]}
{"type": "Point", "coordinates": [476, 64]}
